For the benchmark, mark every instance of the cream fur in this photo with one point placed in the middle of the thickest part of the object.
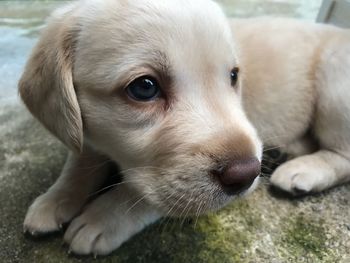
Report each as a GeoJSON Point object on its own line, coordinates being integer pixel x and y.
{"type": "Point", "coordinates": [292, 84]}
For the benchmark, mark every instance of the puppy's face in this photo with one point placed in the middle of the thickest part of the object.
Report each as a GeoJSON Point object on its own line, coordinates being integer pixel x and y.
{"type": "Point", "coordinates": [158, 87]}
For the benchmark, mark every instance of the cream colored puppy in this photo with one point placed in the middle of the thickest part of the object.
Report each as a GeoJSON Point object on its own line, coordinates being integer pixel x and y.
{"type": "Point", "coordinates": [295, 91]}
{"type": "Point", "coordinates": [155, 86]}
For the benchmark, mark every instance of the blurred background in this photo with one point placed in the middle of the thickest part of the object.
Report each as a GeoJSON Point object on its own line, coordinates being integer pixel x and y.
{"type": "Point", "coordinates": [21, 21]}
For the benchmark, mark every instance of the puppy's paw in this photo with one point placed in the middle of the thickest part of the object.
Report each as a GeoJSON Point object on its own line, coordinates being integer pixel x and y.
{"type": "Point", "coordinates": [95, 232]}
{"type": "Point", "coordinates": [108, 222]}
{"type": "Point", "coordinates": [49, 212]}
{"type": "Point", "coordinates": [303, 175]}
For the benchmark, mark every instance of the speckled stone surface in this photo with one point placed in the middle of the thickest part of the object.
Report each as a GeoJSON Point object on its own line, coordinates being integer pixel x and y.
{"type": "Point", "coordinates": [261, 228]}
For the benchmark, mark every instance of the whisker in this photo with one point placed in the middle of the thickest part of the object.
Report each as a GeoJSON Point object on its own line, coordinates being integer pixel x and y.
{"type": "Point", "coordinates": [274, 138]}
{"type": "Point", "coordinates": [125, 171]}
{"type": "Point", "coordinates": [145, 195]}
{"type": "Point", "coordinates": [265, 166]}
{"type": "Point", "coordinates": [164, 217]}
{"type": "Point", "coordinates": [270, 161]}
{"type": "Point", "coordinates": [114, 185]}
{"type": "Point", "coordinates": [143, 168]}
{"type": "Point", "coordinates": [198, 213]}
{"type": "Point", "coordinates": [265, 175]}
{"type": "Point", "coordinates": [95, 167]}
{"type": "Point", "coordinates": [169, 212]}
{"type": "Point", "coordinates": [137, 202]}
{"type": "Point", "coordinates": [188, 203]}
{"type": "Point", "coordinates": [272, 148]}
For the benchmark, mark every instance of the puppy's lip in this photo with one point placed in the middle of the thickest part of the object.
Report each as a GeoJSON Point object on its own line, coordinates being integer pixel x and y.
{"type": "Point", "coordinates": [232, 191]}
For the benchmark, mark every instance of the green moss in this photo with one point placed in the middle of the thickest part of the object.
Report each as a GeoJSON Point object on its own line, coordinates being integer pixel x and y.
{"type": "Point", "coordinates": [211, 238]}
{"type": "Point", "coordinates": [206, 240]}
{"type": "Point", "coordinates": [241, 212]}
{"type": "Point", "coordinates": [305, 237]}
{"type": "Point", "coordinates": [219, 237]}
{"type": "Point", "coordinates": [222, 242]}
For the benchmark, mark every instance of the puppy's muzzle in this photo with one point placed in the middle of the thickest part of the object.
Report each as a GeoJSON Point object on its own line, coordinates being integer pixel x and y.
{"type": "Point", "coordinates": [238, 175]}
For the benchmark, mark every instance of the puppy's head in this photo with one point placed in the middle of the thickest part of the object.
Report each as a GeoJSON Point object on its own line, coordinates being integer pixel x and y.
{"type": "Point", "coordinates": [155, 85]}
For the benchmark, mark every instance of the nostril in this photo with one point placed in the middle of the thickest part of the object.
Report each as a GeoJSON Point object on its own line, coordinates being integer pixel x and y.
{"type": "Point", "coordinates": [239, 175]}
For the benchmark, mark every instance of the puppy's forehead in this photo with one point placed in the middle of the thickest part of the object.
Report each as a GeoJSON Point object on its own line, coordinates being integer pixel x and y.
{"type": "Point", "coordinates": [177, 20]}
{"type": "Point", "coordinates": [196, 31]}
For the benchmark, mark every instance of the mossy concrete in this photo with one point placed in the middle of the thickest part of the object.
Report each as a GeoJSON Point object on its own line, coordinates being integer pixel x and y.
{"type": "Point", "coordinates": [260, 228]}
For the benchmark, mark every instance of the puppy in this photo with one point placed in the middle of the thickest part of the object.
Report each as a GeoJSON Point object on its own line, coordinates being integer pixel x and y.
{"type": "Point", "coordinates": [170, 91]}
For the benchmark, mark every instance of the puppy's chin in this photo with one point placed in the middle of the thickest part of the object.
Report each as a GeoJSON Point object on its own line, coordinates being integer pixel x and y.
{"type": "Point", "coordinates": [185, 197]}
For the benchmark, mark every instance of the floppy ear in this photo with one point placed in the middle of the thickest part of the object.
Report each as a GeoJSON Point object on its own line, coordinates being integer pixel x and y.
{"type": "Point", "coordinates": [46, 86]}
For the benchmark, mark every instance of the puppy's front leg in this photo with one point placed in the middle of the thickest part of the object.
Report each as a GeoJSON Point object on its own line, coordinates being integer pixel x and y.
{"type": "Point", "coordinates": [81, 176]}
{"type": "Point", "coordinates": [109, 221]}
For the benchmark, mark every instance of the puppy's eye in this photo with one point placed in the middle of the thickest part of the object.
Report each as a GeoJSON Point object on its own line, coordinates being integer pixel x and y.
{"type": "Point", "coordinates": [143, 89]}
{"type": "Point", "coordinates": [234, 76]}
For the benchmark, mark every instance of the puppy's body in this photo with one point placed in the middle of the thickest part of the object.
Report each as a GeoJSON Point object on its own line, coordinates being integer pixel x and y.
{"type": "Point", "coordinates": [296, 88]}
{"type": "Point", "coordinates": [279, 58]}
{"type": "Point", "coordinates": [185, 151]}
{"type": "Point", "coordinates": [284, 62]}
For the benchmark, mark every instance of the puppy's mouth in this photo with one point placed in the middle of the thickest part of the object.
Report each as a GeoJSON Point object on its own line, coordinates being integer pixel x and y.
{"type": "Point", "coordinates": [194, 202]}
{"type": "Point", "coordinates": [182, 191]}
{"type": "Point", "coordinates": [193, 198]}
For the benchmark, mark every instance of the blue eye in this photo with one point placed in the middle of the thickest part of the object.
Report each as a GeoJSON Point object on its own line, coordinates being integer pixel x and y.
{"type": "Point", "coordinates": [143, 89]}
{"type": "Point", "coordinates": [234, 76]}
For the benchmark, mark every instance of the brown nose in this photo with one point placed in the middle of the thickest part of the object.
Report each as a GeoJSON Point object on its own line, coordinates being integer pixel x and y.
{"type": "Point", "coordinates": [239, 175]}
